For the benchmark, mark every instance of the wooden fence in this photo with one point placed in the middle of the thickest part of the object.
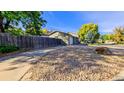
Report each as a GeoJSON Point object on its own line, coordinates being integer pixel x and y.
{"type": "Point", "coordinates": [34, 42]}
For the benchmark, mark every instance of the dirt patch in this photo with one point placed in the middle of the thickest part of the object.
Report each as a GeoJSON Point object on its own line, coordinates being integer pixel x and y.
{"type": "Point", "coordinates": [77, 63]}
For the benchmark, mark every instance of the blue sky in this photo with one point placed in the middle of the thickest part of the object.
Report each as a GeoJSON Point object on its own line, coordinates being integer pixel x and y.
{"type": "Point", "coordinates": [69, 21]}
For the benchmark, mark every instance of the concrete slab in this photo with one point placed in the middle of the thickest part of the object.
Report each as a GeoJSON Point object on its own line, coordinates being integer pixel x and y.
{"type": "Point", "coordinates": [12, 68]}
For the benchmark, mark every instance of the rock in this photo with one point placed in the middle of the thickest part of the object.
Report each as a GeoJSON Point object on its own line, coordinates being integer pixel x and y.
{"type": "Point", "coordinates": [103, 50]}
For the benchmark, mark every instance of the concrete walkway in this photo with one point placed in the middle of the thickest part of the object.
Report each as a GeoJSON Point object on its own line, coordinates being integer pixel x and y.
{"type": "Point", "coordinates": [15, 66]}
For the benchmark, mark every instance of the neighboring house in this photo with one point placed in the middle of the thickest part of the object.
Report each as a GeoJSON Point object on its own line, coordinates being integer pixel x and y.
{"type": "Point", "coordinates": [68, 38]}
{"type": "Point", "coordinates": [75, 38]}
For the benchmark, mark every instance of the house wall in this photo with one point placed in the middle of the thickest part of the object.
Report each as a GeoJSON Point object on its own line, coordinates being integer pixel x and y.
{"type": "Point", "coordinates": [71, 40]}
{"type": "Point", "coordinates": [62, 36]}
{"type": "Point", "coordinates": [68, 39]}
{"type": "Point", "coordinates": [75, 40]}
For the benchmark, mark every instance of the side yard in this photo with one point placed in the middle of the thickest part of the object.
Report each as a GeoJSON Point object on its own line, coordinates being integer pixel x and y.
{"type": "Point", "coordinates": [13, 67]}
{"type": "Point", "coordinates": [77, 63]}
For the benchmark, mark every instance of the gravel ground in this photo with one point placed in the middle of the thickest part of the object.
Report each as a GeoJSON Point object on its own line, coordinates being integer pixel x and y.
{"type": "Point", "coordinates": [77, 63]}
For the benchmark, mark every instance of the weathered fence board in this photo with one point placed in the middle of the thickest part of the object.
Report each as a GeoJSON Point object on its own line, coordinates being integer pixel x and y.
{"type": "Point", "coordinates": [29, 41]}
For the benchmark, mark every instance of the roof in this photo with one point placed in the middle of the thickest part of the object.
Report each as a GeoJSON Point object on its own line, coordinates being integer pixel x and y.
{"type": "Point", "coordinates": [56, 32]}
{"type": "Point", "coordinates": [73, 34]}
{"type": "Point", "coordinates": [62, 33]}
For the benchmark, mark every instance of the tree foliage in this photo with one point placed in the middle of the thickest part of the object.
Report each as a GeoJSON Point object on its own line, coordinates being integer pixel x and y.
{"type": "Point", "coordinates": [106, 37]}
{"type": "Point", "coordinates": [44, 32]}
{"type": "Point", "coordinates": [15, 31]}
{"type": "Point", "coordinates": [34, 32]}
{"type": "Point", "coordinates": [30, 20]}
{"type": "Point", "coordinates": [88, 33]}
{"type": "Point", "coordinates": [118, 34]}
{"type": "Point", "coordinates": [90, 37]}
{"type": "Point", "coordinates": [34, 22]}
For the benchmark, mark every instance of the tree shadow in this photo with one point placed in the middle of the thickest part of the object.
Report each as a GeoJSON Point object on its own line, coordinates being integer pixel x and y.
{"type": "Point", "coordinates": [118, 52]}
{"type": "Point", "coordinates": [28, 57]}
{"type": "Point", "coordinates": [75, 58]}
{"type": "Point", "coordinates": [69, 58]}
{"type": "Point", "coordinates": [11, 68]}
{"type": "Point", "coordinates": [93, 58]}
{"type": "Point", "coordinates": [29, 60]}
{"type": "Point", "coordinates": [31, 53]}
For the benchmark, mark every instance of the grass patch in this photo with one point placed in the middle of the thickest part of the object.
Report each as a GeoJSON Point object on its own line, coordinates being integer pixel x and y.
{"type": "Point", "coordinates": [95, 44]}
{"type": "Point", "coordinates": [8, 48]}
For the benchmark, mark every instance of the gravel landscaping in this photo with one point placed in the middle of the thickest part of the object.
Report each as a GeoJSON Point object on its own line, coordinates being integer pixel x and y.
{"type": "Point", "coordinates": [77, 63]}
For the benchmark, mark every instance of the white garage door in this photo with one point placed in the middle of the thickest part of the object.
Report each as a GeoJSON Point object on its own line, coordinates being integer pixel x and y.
{"type": "Point", "coordinates": [71, 40]}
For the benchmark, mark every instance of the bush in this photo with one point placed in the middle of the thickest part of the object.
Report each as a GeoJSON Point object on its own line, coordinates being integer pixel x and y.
{"type": "Point", "coordinates": [8, 48]}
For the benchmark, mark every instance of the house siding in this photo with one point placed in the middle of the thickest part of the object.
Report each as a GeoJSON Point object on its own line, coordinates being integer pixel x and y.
{"type": "Point", "coordinates": [68, 39]}
{"type": "Point", "coordinates": [62, 36]}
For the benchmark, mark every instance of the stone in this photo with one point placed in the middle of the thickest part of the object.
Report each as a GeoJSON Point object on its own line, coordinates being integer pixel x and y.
{"type": "Point", "coordinates": [103, 50]}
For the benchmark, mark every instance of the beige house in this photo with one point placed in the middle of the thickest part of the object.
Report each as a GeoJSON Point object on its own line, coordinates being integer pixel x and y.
{"type": "Point", "coordinates": [68, 38]}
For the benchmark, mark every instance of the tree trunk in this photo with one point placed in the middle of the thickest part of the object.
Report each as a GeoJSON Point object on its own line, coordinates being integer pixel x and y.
{"type": "Point", "coordinates": [1, 24]}
{"type": "Point", "coordinates": [7, 25]}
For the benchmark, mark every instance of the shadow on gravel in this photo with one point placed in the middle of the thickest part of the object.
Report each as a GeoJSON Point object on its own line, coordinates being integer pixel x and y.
{"type": "Point", "coordinates": [68, 59]}
{"type": "Point", "coordinates": [118, 52]}
{"type": "Point", "coordinates": [26, 54]}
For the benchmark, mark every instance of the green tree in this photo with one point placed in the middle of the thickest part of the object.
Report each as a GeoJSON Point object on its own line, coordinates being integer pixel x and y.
{"type": "Point", "coordinates": [90, 37]}
{"type": "Point", "coordinates": [29, 20]}
{"type": "Point", "coordinates": [88, 33]}
{"type": "Point", "coordinates": [106, 37]}
{"type": "Point", "coordinates": [119, 35]}
{"type": "Point", "coordinates": [44, 32]}
{"type": "Point", "coordinates": [6, 18]}
{"type": "Point", "coordinates": [15, 31]}
{"type": "Point", "coordinates": [33, 23]}
{"type": "Point", "coordinates": [33, 31]}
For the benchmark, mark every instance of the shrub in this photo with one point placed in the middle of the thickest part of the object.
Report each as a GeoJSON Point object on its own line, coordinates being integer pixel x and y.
{"type": "Point", "coordinates": [8, 48]}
